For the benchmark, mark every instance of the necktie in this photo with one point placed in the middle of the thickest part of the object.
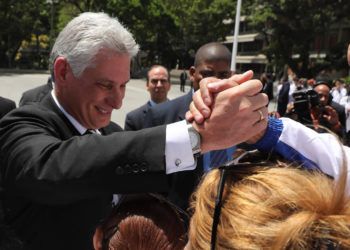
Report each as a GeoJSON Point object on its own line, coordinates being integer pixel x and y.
{"type": "Point", "coordinates": [89, 132]}
{"type": "Point", "coordinates": [217, 158]}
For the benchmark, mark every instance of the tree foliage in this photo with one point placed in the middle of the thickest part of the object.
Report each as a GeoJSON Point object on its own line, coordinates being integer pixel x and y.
{"type": "Point", "coordinates": [169, 32]}
{"type": "Point", "coordinates": [291, 27]}
{"type": "Point", "coordinates": [199, 22]}
{"type": "Point", "coordinates": [19, 20]}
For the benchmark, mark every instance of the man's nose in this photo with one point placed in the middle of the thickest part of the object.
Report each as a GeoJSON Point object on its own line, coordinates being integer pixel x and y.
{"type": "Point", "coordinates": [323, 99]}
{"type": "Point", "coordinates": [115, 98]}
{"type": "Point", "coordinates": [159, 84]}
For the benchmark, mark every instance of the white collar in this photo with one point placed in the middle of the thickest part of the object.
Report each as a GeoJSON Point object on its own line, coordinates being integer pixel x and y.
{"type": "Point", "coordinates": [81, 129]}
{"type": "Point", "coordinates": [152, 103]}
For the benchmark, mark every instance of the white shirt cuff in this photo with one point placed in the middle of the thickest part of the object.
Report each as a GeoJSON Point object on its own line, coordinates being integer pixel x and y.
{"type": "Point", "coordinates": [178, 150]}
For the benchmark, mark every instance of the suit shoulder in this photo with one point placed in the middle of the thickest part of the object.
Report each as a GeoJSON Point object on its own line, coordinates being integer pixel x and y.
{"type": "Point", "coordinates": [170, 105]}
{"type": "Point", "coordinates": [138, 110]}
{"type": "Point", "coordinates": [113, 127]}
{"type": "Point", "coordinates": [168, 112]}
{"type": "Point", "coordinates": [6, 105]}
{"type": "Point", "coordinates": [7, 102]}
{"type": "Point", "coordinates": [35, 94]}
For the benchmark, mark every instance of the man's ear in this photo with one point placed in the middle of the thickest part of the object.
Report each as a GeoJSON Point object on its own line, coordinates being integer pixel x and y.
{"type": "Point", "coordinates": [61, 68]}
{"type": "Point", "coordinates": [192, 70]}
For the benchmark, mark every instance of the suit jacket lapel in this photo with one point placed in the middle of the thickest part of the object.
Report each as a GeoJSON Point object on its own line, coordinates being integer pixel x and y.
{"type": "Point", "coordinates": [50, 104]}
{"type": "Point", "coordinates": [146, 107]}
{"type": "Point", "coordinates": [185, 107]}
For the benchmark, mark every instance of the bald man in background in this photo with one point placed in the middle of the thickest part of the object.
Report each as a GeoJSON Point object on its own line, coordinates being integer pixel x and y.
{"type": "Point", "coordinates": [211, 60]}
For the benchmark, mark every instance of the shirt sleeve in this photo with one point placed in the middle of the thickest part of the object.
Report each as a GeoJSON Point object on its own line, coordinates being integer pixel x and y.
{"type": "Point", "coordinates": [178, 150]}
{"type": "Point", "coordinates": [312, 150]}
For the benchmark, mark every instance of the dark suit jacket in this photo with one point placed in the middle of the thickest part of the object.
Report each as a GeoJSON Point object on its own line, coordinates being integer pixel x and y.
{"type": "Point", "coordinates": [6, 105]}
{"type": "Point", "coordinates": [184, 183]}
{"type": "Point", "coordinates": [283, 98]}
{"type": "Point", "coordinates": [135, 119]}
{"type": "Point", "coordinates": [57, 185]}
{"type": "Point", "coordinates": [168, 112]}
{"type": "Point", "coordinates": [36, 94]}
{"type": "Point", "coordinates": [341, 112]}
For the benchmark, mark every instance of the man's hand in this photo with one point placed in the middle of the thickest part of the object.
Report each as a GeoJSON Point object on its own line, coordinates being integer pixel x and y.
{"type": "Point", "coordinates": [237, 114]}
{"type": "Point", "coordinates": [203, 98]}
{"type": "Point", "coordinates": [330, 115]}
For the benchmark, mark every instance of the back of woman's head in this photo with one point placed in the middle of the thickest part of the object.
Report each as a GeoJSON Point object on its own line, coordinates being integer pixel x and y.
{"type": "Point", "coordinates": [144, 222]}
{"type": "Point", "coordinates": [272, 208]}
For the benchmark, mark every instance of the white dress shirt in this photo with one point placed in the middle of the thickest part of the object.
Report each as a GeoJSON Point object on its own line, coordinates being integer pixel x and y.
{"type": "Point", "coordinates": [338, 94]}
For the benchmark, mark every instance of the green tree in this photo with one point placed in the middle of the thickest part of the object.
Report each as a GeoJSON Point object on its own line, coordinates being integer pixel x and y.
{"type": "Point", "coordinates": [291, 26]}
{"type": "Point", "coordinates": [199, 22]}
{"type": "Point", "coordinates": [19, 20]}
{"type": "Point", "coordinates": [151, 25]}
{"type": "Point", "coordinates": [173, 30]}
{"type": "Point", "coordinates": [149, 21]}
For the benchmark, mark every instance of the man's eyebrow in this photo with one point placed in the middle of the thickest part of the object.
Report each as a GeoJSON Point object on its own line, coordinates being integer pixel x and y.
{"type": "Point", "coordinates": [111, 81]}
{"type": "Point", "coordinates": [105, 81]}
{"type": "Point", "coordinates": [157, 78]}
{"type": "Point", "coordinates": [126, 82]}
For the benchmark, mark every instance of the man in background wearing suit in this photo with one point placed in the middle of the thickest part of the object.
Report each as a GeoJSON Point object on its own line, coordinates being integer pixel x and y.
{"type": "Point", "coordinates": [62, 158]}
{"type": "Point", "coordinates": [36, 94]}
{"type": "Point", "coordinates": [6, 105]}
{"type": "Point", "coordinates": [211, 60]}
{"type": "Point", "coordinates": [158, 86]}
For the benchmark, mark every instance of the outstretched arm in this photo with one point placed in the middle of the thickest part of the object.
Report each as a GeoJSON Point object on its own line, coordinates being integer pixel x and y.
{"type": "Point", "coordinates": [296, 142]}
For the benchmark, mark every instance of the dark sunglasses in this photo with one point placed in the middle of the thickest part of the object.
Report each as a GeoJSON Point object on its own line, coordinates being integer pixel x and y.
{"type": "Point", "coordinates": [224, 169]}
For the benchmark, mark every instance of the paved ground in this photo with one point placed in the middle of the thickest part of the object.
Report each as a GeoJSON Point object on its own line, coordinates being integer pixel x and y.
{"type": "Point", "coordinates": [12, 85]}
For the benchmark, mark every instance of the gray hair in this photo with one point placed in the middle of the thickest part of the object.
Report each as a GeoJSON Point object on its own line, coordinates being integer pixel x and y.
{"type": "Point", "coordinates": [83, 37]}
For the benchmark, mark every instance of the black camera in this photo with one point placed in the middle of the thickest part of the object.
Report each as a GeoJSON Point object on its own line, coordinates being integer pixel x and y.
{"type": "Point", "coordinates": [303, 101]}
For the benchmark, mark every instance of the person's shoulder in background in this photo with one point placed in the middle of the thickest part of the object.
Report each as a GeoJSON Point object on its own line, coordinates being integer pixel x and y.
{"type": "Point", "coordinates": [36, 94]}
{"type": "Point", "coordinates": [6, 105]}
{"type": "Point", "coordinates": [134, 120]}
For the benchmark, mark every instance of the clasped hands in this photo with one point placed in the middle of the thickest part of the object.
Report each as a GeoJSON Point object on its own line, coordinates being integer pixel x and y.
{"type": "Point", "coordinates": [229, 111]}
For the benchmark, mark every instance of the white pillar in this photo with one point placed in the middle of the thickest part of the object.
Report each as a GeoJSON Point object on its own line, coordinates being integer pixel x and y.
{"type": "Point", "coordinates": [235, 36]}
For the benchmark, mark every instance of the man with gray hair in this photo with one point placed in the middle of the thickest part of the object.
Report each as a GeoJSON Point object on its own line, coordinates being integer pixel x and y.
{"type": "Point", "coordinates": [62, 158]}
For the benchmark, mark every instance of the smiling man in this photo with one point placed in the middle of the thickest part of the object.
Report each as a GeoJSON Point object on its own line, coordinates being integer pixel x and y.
{"type": "Point", "coordinates": [62, 159]}
{"type": "Point", "coordinates": [91, 98]}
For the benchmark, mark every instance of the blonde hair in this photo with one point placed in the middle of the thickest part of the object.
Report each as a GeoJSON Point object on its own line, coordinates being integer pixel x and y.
{"type": "Point", "coordinates": [272, 208]}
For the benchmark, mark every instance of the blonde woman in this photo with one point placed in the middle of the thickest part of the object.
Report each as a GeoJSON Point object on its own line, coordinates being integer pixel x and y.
{"type": "Point", "coordinates": [248, 206]}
